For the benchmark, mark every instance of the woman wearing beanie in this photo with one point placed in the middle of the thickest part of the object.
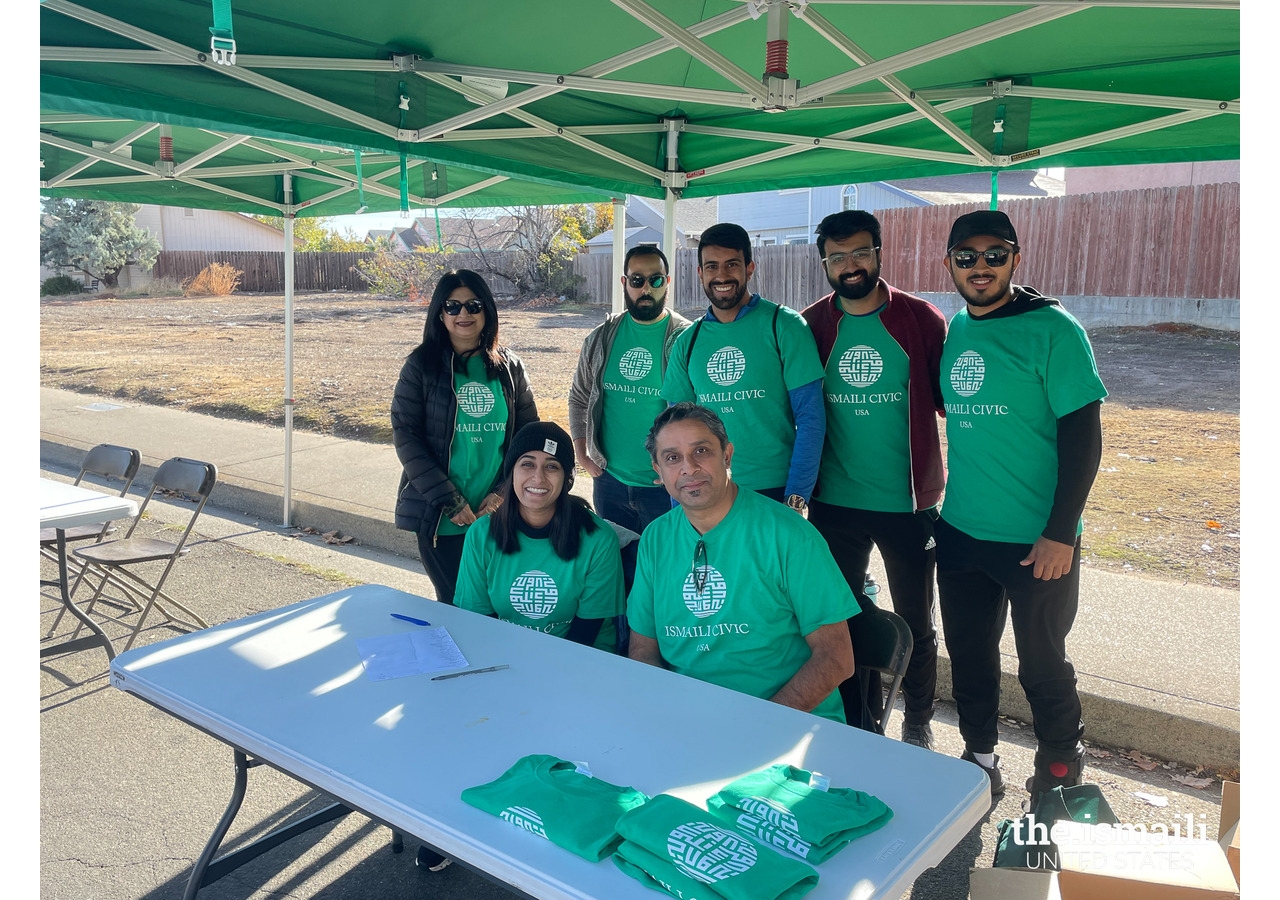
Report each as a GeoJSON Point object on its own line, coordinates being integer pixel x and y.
{"type": "Point", "coordinates": [544, 560]}
{"type": "Point", "coordinates": [460, 398]}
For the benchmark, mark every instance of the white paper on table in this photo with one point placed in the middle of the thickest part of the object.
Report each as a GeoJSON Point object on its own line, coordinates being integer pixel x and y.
{"type": "Point", "coordinates": [410, 653]}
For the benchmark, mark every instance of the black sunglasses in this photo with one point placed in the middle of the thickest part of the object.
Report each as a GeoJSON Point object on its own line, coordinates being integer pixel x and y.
{"type": "Point", "coordinates": [967, 259]}
{"type": "Point", "coordinates": [638, 281]}
{"type": "Point", "coordinates": [700, 568]}
{"type": "Point", "coordinates": [453, 307]}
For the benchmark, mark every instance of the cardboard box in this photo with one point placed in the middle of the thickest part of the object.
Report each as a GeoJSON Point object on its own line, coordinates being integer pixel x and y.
{"type": "Point", "coordinates": [1100, 862]}
{"type": "Point", "coordinates": [1013, 884]}
{"type": "Point", "coordinates": [1229, 826]}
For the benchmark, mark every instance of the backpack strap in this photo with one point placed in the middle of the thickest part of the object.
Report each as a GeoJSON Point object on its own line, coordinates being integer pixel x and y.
{"type": "Point", "coordinates": [693, 338]}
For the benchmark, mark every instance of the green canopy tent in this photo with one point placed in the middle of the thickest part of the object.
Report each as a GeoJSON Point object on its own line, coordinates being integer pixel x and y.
{"type": "Point", "coordinates": [667, 98]}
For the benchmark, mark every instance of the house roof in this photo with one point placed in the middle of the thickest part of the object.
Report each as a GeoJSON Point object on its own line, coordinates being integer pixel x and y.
{"type": "Point", "coordinates": [975, 187]}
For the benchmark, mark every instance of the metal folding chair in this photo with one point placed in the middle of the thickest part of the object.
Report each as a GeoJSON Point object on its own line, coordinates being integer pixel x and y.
{"type": "Point", "coordinates": [882, 645]}
{"type": "Point", "coordinates": [113, 559]}
{"type": "Point", "coordinates": [110, 464]}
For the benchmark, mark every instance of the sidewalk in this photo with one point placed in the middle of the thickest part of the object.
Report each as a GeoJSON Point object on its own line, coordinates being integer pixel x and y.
{"type": "Point", "coordinates": [1158, 663]}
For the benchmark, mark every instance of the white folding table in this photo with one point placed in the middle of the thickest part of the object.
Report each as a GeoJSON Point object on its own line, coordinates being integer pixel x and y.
{"type": "Point", "coordinates": [64, 506]}
{"type": "Point", "coordinates": [287, 688]}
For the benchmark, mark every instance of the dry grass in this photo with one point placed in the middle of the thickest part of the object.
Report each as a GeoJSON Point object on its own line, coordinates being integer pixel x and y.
{"type": "Point", "coordinates": [214, 280]}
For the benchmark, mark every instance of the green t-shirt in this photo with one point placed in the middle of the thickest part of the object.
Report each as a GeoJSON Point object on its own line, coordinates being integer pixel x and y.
{"type": "Point", "coordinates": [1006, 382]}
{"type": "Point", "coordinates": [555, 799]}
{"type": "Point", "coordinates": [632, 381]}
{"type": "Point", "coordinates": [866, 457]}
{"type": "Point", "coordinates": [479, 428]}
{"type": "Point", "coordinates": [673, 846]}
{"type": "Point", "coordinates": [743, 374]}
{"type": "Point", "coordinates": [792, 809]}
{"type": "Point", "coordinates": [535, 588]}
{"type": "Point", "coordinates": [770, 581]}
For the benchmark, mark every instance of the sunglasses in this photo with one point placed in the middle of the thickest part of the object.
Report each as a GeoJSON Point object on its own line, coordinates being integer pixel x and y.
{"type": "Point", "coordinates": [453, 307]}
{"type": "Point", "coordinates": [655, 281]}
{"type": "Point", "coordinates": [967, 259]}
{"type": "Point", "coordinates": [700, 568]}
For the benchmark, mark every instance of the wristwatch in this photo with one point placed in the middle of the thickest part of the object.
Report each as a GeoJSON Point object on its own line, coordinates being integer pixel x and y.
{"type": "Point", "coordinates": [798, 503]}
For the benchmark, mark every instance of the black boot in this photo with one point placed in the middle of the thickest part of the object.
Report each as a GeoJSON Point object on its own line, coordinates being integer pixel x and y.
{"type": "Point", "coordinates": [1052, 773]}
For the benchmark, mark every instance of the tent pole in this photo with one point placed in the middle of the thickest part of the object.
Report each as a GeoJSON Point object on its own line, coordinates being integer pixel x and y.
{"type": "Point", "coordinates": [669, 226]}
{"type": "Point", "coordinates": [288, 351]}
{"type": "Point", "coordinates": [619, 250]}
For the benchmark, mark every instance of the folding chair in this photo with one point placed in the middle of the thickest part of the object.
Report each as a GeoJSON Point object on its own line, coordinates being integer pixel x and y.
{"type": "Point", "coordinates": [106, 461]}
{"type": "Point", "coordinates": [112, 559]}
{"type": "Point", "coordinates": [882, 645]}
{"type": "Point", "coordinates": [109, 463]}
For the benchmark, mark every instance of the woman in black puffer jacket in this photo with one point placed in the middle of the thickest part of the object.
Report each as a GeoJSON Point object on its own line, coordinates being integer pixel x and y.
{"type": "Point", "coordinates": [460, 399]}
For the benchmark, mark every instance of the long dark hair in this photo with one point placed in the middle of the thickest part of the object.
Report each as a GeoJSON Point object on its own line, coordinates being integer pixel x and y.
{"type": "Point", "coordinates": [435, 346]}
{"type": "Point", "coordinates": [571, 520]}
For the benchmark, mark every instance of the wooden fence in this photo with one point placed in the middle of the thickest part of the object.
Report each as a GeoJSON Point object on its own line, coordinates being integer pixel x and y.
{"type": "Point", "coordinates": [1179, 242]}
{"type": "Point", "coordinates": [1156, 242]}
{"type": "Point", "coordinates": [264, 271]}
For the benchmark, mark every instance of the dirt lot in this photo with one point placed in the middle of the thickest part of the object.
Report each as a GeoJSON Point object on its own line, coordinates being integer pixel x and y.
{"type": "Point", "coordinates": [1166, 502]}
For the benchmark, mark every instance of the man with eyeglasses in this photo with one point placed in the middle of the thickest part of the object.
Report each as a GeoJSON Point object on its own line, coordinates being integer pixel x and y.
{"type": "Point", "coordinates": [1024, 440]}
{"type": "Point", "coordinates": [733, 588]}
{"type": "Point", "coordinates": [616, 393]}
{"type": "Point", "coordinates": [881, 475]}
{"type": "Point", "coordinates": [753, 362]}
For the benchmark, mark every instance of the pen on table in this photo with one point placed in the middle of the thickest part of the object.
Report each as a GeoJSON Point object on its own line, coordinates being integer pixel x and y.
{"type": "Point", "coordinates": [470, 672]}
{"type": "Point", "coordinates": [410, 619]}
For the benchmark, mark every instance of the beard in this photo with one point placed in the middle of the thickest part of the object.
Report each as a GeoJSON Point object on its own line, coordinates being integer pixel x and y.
{"type": "Point", "coordinates": [643, 311]}
{"type": "Point", "coordinates": [725, 302]}
{"type": "Point", "coordinates": [999, 289]}
{"type": "Point", "coordinates": [855, 290]}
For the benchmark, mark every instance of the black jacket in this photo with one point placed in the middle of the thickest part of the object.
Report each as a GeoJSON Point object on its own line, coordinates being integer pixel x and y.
{"type": "Point", "coordinates": [423, 410]}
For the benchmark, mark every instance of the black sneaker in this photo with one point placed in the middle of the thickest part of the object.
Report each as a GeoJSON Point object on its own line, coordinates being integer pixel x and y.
{"type": "Point", "coordinates": [431, 860]}
{"type": "Point", "coordinates": [921, 734]}
{"type": "Point", "coordinates": [1050, 774]}
{"type": "Point", "coordinates": [993, 773]}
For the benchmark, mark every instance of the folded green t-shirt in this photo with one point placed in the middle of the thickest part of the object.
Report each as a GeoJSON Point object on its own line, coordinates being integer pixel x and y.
{"type": "Point", "coordinates": [551, 798]}
{"type": "Point", "coordinates": [784, 807]}
{"type": "Point", "coordinates": [671, 845]}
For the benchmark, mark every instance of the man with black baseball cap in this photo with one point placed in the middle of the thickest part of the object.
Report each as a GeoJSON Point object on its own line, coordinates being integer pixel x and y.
{"type": "Point", "coordinates": [881, 474]}
{"type": "Point", "coordinates": [1024, 439]}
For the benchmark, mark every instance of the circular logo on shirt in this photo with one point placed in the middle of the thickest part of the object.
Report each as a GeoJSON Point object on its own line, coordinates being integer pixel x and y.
{"type": "Point", "coordinates": [726, 366]}
{"type": "Point", "coordinates": [861, 366]}
{"type": "Point", "coordinates": [475, 399]}
{"type": "Point", "coordinates": [523, 817]}
{"type": "Point", "coordinates": [770, 812]}
{"type": "Point", "coordinates": [710, 599]}
{"type": "Point", "coordinates": [967, 373]}
{"type": "Point", "coordinates": [635, 363]}
{"type": "Point", "coordinates": [534, 594]}
{"type": "Point", "coordinates": [702, 851]}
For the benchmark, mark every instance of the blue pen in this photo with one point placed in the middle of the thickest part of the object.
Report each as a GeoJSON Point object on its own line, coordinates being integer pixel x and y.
{"type": "Point", "coordinates": [410, 619]}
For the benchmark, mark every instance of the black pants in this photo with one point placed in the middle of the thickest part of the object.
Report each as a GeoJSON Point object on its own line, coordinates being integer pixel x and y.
{"type": "Point", "coordinates": [442, 562]}
{"type": "Point", "coordinates": [905, 545]}
{"type": "Point", "coordinates": [979, 582]}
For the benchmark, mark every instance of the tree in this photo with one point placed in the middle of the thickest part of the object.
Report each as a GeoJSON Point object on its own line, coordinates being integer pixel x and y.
{"type": "Point", "coordinates": [537, 243]}
{"type": "Point", "coordinates": [317, 235]}
{"type": "Point", "coordinates": [94, 236]}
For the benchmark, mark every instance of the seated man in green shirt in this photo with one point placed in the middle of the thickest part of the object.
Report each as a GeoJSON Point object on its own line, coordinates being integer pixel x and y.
{"type": "Point", "coordinates": [731, 587]}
